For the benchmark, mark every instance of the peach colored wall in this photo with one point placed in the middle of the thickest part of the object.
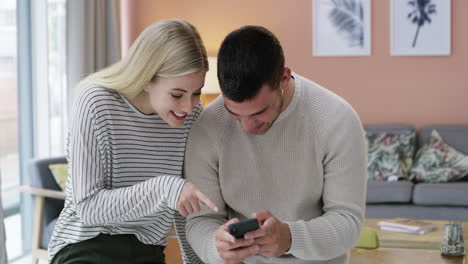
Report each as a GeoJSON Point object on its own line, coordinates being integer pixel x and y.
{"type": "Point", "coordinates": [382, 88]}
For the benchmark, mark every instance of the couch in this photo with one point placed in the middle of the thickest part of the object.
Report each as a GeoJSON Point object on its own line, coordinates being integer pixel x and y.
{"type": "Point", "coordinates": [432, 201]}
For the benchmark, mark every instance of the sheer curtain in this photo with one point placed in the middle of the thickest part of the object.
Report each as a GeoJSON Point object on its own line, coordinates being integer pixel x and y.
{"type": "Point", "coordinates": [3, 255]}
{"type": "Point", "coordinates": [93, 38]}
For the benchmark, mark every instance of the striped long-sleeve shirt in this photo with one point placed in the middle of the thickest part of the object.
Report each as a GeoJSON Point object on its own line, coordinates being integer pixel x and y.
{"type": "Point", "coordinates": [124, 175]}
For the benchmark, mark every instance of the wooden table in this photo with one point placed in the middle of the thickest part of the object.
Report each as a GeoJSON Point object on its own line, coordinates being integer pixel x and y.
{"type": "Point", "coordinates": [395, 247]}
{"type": "Point", "coordinates": [401, 256]}
{"type": "Point", "coordinates": [430, 240]}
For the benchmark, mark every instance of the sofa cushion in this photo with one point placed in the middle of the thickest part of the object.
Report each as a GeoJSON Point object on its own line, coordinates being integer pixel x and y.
{"type": "Point", "coordinates": [390, 154]}
{"type": "Point", "coordinates": [437, 162]}
{"type": "Point", "coordinates": [389, 192]}
{"type": "Point", "coordinates": [60, 173]}
{"type": "Point", "coordinates": [454, 135]}
{"type": "Point", "coordinates": [452, 194]}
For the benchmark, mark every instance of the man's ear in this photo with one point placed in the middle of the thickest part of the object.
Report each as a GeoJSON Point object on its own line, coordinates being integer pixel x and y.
{"type": "Point", "coordinates": [286, 76]}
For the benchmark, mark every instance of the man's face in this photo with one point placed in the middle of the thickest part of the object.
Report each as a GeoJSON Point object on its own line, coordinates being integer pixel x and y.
{"type": "Point", "coordinates": [257, 115]}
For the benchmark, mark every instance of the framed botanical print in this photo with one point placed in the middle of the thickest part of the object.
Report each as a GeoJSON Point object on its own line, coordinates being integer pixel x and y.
{"type": "Point", "coordinates": [420, 27]}
{"type": "Point", "coordinates": [341, 27]}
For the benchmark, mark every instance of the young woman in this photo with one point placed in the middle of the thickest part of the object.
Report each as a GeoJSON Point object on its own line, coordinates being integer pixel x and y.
{"type": "Point", "coordinates": [126, 149]}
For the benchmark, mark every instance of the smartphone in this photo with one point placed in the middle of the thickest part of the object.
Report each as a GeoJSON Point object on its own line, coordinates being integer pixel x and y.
{"type": "Point", "coordinates": [240, 228]}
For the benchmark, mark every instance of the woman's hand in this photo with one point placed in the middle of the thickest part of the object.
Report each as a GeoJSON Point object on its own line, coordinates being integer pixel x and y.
{"type": "Point", "coordinates": [189, 198]}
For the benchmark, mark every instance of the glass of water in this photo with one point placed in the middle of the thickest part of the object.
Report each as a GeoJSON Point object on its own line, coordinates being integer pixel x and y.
{"type": "Point", "coordinates": [452, 243]}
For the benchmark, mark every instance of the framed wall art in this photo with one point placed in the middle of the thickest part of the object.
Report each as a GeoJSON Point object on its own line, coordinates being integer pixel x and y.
{"type": "Point", "coordinates": [420, 27]}
{"type": "Point", "coordinates": [341, 27]}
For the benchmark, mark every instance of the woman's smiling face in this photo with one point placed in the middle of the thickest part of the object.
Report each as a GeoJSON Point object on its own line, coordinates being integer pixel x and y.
{"type": "Point", "coordinates": [173, 98]}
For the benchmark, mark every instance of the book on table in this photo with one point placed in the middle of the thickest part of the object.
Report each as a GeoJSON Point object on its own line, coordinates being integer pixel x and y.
{"type": "Point", "coordinates": [407, 226]}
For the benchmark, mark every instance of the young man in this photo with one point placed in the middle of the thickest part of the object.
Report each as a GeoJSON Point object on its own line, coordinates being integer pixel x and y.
{"type": "Point", "coordinates": [282, 149]}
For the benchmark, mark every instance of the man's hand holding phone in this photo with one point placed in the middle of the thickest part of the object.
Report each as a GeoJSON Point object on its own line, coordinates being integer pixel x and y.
{"type": "Point", "coordinates": [231, 249]}
{"type": "Point", "coordinates": [273, 237]}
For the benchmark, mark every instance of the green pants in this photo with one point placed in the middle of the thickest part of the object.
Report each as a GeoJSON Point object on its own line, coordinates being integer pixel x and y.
{"type": "Point", "coordinates": [113, 249]}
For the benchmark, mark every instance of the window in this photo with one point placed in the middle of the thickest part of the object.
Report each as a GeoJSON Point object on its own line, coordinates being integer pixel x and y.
{"type": "Point", "coordinates": [42, 110]}
{"type": "Point", "coordinates": [9, 160]}
{"type": "Point", "coordinates": [52, 109]}
{"type": "Point", "coordinates": [49, 77]}
{"type": "Point", "coordinates": [56, 16]}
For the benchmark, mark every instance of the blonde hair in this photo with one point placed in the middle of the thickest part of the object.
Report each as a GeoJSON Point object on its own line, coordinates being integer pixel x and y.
{"type": "Point", "coordinates": [166, 48]}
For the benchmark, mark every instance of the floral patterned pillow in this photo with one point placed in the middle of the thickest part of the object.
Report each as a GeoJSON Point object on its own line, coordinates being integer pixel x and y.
{"type": "Point", "coordinates": [438, 162]}
{"type": "Point", "coordinates": [390, 155]}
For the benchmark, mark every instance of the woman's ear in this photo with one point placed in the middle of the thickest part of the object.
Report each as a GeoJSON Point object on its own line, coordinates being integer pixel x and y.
{"type": "Point", "coordinates": [148, 87]}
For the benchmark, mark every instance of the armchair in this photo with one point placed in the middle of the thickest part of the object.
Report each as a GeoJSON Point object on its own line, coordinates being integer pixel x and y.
{"type": "Point", "coordinates": [49, 202]}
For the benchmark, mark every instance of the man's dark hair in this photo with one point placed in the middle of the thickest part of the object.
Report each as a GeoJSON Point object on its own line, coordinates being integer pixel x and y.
{"type": "Point", "coordinates": [249, 57]}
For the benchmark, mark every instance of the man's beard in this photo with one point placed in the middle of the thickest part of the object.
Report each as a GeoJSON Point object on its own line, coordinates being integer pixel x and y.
{"type": "Point", "coordinates": [268, 125]}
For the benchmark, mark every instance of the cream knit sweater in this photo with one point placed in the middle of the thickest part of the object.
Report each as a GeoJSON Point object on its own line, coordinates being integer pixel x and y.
{"type": "Point", "coordinates": [309, 170]}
